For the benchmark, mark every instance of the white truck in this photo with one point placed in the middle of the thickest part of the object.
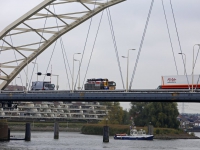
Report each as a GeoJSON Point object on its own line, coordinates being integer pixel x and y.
{"type": "Point", "coordinates": [42, 85]}
{"type": "Point", "coordinates": [179, 82]}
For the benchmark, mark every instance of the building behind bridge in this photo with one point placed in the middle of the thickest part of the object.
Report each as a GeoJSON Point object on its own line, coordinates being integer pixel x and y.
{"type": "Point", "coordinates": [80, 111]}
{"type": "Point", "coordinates": [15, 88]}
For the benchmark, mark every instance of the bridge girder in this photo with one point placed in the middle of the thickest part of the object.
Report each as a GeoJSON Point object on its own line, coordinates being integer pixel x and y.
{"type": "Point", "coordinates": [23, 27]}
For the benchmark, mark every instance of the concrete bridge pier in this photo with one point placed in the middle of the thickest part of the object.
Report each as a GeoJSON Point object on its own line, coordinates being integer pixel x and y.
{"type": "Point", "coordinates": [28, 132]}
{"type": "Point", "coordinates": [56, 130]}
{"type": "Point", "coordinates": [106, 134]}
{"type": "Point", "coordinates": [4, 130]}
{"type": "Point", "coordinates": [8, 134]}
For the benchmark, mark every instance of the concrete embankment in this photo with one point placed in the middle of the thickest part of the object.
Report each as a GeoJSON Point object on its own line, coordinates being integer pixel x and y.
{"type": "Point", "coordinates": [45, 126]}
{"type": "Point", "coordinates": [174, 136]}
{"type": "Point", "coordinates": [48, 128]}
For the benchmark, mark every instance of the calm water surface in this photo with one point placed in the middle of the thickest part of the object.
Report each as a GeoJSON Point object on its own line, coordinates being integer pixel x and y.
{"type": "Point", "coordinates": [74, 140]}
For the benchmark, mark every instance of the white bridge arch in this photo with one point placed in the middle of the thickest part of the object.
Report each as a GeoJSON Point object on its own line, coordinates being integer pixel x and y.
{"type": "Point", "coordinates": [28, 24]}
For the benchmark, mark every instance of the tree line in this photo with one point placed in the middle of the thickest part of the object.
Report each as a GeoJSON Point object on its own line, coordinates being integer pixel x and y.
{"type": "Point", "coordinates": [158, 114]}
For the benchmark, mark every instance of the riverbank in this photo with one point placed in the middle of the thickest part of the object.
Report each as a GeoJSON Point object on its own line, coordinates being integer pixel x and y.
{"type": "Point", "coordinates": [174, 136]}
{"type": "Point", "coordinates": [46, 126]}
{"type": "Point", "coordinates": [65, 129]}
{"type": "Point", "coordinates": [96, 129]}
{"type": "Point", "coordinates": [159, 133]}
{"type": "Point", "coordinates": [44, 129]}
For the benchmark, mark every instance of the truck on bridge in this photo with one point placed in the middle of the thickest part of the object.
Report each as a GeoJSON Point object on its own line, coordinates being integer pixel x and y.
{"type": "Point", "coordinates": [42, 85]}
{"type": "Point", "coordinates": [180, 82]}
{"type": "Point", "coordinates": [100, 84]}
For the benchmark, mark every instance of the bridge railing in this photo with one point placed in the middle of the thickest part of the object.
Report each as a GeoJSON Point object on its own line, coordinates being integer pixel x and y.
{"type": "Point", "coordinates": [106, 91]}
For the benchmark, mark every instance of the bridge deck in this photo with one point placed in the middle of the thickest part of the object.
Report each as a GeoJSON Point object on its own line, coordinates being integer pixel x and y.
{"type": "Point", "coordinates": [118, 95]}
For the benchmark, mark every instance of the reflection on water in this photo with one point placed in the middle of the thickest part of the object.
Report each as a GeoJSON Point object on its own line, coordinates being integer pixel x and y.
{"type": "Point", "coordinates": [74, 140]}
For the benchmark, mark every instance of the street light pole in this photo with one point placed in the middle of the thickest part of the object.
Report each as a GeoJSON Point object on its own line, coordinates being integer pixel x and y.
{"type": "Point", "coordinates": [193, 67]}
{"type": "Point", "coordinates": [185, 62]}
{"type": "Point", "coordinates": [73, 72]}
{"type": "Point", "coordinates": [57, 86]}
{"type": "Point", "coordinates": [127, 69]}
{"type": "Point", "coordinates": [78, 75]}
{"type": "Point", "coordinates": [184, 74]}
{"type": "Point", "coordinates": [26, 75]}
{"type": "Point", "coordinates": [37, 68]}
{"type": "Point", "coordinates": [15, 80]}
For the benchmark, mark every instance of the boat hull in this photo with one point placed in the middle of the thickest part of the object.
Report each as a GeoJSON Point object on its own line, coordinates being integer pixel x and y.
{"type": "Point", "coordinates": [149, 137]}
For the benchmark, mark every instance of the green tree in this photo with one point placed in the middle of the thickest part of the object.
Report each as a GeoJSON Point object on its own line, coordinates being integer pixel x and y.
{"type": "Point", "coordinates": [115, 114]}
{"type": "Point", "coordinates": [160, 114]}
{"type": "Point", "coordinates": [139, 113]}
{"type": "Point", "coordinates": [126, 117]}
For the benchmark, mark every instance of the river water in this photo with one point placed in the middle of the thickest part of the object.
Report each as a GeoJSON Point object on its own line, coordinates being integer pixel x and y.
{"type": "Point", "coordinates": [77, 141]}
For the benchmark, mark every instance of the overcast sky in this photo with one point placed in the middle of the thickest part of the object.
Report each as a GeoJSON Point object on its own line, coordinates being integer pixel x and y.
{"type": "Point", "coordinates": [129, 17]}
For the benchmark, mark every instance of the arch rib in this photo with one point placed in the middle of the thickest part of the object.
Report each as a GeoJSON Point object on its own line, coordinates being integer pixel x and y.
{"type": "Point", "coordinates": [35, 31]}
{"type": "Point", "coordinates": [43, 45]}
{"type": "Point", "coordinates": [25, 17]}
{"type": "Point", "coordinates": [13, 47]}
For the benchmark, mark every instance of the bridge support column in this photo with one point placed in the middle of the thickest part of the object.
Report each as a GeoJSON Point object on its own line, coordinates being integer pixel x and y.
{"type": "Point", "coordinates": [28, 132]}
{"type": "Point", "coordinates": [150, 129]}
{"type": "Point", "coordinates": [3, 130]}
{"type": "Point", "coordinates": [56, 130]}
{"type": "Point", "coordinates": [106, 134]}
{"type": "Point", "coordinates": [8, 134]}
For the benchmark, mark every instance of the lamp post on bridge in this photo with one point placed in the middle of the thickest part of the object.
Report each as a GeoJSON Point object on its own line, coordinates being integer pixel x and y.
{"type": "Point", "coordinates": [49, 74]}
{"type": "Point", "coordinates": [185, 62]}
{"type": "Point", "coordinates": [37, 68]}
{"type": "Point", "coordinates": [79, 74]}
{"type": "Point", "coordinates": [57, 86]}
{"type": "Point", "coordinates": [16, 80]}
{"type": "Point", "coordinates": [26, 75]}
{"type": "Point", "coordinates": [127, 68]}
{"type": "Point", "coordinates": [73, 73]}
{"type": "Point", "coordinates": [193, 67]}
{"type": "Point", "coordinates": [183, 106]}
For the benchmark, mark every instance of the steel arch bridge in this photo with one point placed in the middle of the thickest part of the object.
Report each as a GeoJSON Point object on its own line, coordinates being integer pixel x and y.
{"type": "Point", "coordinates": [67, 13]}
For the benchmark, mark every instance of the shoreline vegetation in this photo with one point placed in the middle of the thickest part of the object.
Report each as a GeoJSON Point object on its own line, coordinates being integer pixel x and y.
{"type": "Point", "coordinates": [45, 126]}
{"type": "Point", "coordinates": [159, 133]}
{"type": "Point", "coordinates": [96, 129]}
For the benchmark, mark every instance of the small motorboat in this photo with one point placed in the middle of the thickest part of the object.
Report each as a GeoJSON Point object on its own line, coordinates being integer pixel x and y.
{"type": "Point", "coordinates": [134, 135]}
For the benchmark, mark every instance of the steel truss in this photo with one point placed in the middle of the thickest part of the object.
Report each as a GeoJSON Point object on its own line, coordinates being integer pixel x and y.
{"type": "Point", "coordinates": [31, 25]}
